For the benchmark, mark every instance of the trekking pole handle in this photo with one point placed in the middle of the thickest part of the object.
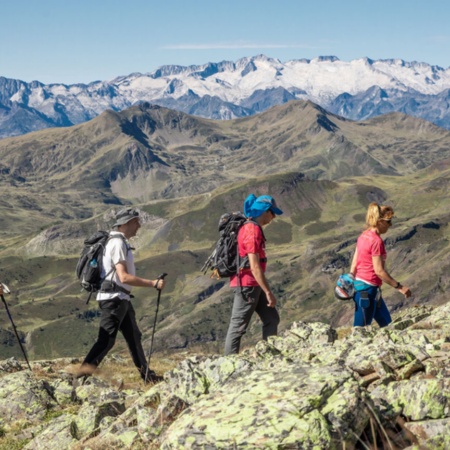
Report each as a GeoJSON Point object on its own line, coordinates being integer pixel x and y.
{"type": "Point", "coordinates": [5, 289]}
{"type": "Point", "coordinates": [161, 277]}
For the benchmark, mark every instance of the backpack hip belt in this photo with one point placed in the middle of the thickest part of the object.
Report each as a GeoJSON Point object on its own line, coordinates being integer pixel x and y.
{"type": "Point", "coordinates": [245, 263]}
{"type": "Point", "coordinates": [110, 287]}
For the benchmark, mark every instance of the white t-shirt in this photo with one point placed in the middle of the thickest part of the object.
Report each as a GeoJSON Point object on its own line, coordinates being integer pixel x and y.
{"type": "Point", "coordinates": [117, 250]}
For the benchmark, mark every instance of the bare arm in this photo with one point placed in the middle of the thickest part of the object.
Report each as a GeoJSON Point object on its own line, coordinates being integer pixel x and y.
{"type": "Point", "coordinates": [257, 272]}
{"type": "Point", "coordinates": [353, 266]}
{"type": "Point", "coordinates": [133, 280]}
{"type": "Point", "coordinates": [380, 271]}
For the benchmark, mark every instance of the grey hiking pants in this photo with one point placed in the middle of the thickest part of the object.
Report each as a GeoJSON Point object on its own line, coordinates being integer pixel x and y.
{"type": "Point", "coordinates": [248, 300]}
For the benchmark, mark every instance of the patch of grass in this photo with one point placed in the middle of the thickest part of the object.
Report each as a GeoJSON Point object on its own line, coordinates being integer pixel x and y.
{"type": "Point", "coordinates": [11, 443]}
{"type": "Point", "coordinates": [343, 332]}
{"type": "Point", "coordinates": [69, 336]}
{"type": "Point", "coordinates": [306, 216]}
{"type": "Point", "coordinates": [318, 228]}
{"type": "Point", "coordinates": [278, 233]}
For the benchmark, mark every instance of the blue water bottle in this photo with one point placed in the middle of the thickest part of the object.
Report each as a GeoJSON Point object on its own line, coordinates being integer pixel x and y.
{"type": "Point", "coordinates": [93, 263]}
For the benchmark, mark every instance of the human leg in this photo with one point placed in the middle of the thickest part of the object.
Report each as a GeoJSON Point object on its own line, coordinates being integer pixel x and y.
{"type": "Point", "coordinates": [365, 303]}
{"type": "Point", "coordinates": [133, 337]}
{"type": "Point", "coordinates": [244, 304]}
{"type": "Point", "coordinates": [382, 315]}
{"type": "Point", "coordinates": [112, 314]}
{"type": "Point", "coordinates": [269, 317]}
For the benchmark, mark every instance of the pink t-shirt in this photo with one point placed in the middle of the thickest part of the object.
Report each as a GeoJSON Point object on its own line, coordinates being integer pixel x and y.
{"type": "Point", "coordinates": [369, 244]}
{"type": "Point", "coordinates": [250, 240]}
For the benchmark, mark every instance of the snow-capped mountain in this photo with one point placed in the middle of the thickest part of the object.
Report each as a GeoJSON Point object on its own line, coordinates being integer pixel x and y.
{"type": "Point", "coordinates": [358, 89]}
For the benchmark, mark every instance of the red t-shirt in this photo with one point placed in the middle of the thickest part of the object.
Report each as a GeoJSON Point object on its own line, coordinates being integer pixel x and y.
{"type": "Point", "coordinates": [369, 244]}
{"type": "Point", "coordinates": [250, 240]}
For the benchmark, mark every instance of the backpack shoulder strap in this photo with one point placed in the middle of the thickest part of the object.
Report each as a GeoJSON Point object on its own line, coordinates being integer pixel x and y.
{"type": "Point", "coordinates": [119, 236]}
{"type": "Point", "coordinates": [257, 224]}
{"type": "Point", "coordinates": [243, 262]}
{"type": "Point", "coordinates": [114, 236]}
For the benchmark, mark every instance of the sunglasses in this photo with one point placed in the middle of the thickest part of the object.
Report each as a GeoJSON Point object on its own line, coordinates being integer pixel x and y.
{"type": "Point", "coordinates": [128, 212]}
{"type": "Point", "coordinates": [389, 221]}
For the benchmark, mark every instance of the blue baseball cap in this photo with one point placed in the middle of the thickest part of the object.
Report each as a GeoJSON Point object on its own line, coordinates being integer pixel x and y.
{"type": "Point", "coordinates": [255, 206]}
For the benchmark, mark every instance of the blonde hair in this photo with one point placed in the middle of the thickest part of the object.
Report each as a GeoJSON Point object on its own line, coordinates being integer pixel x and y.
{"type": "Point", "coordinates": [376, 212]}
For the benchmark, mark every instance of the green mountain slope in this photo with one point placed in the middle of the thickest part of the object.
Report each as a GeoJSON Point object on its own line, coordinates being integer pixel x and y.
{"type": "Point", "coordinates": [149, 152]}
{"type": "Point", "coordinates": [60, 185]}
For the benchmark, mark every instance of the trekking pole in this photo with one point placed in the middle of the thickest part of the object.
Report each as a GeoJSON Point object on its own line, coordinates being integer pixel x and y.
{"type": "Point", "coordinates": [7, 291]}
{"type": "Point", "coordinates": [160, 277]}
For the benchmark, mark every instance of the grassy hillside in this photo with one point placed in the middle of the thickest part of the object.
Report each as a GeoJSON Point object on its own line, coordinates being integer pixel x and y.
{"type": "Point", "coordinates": [58, 186]}
{"type": "Point", "coordinates": [149, 152]}
{"type": "Point", "coordinates": [307, 247]}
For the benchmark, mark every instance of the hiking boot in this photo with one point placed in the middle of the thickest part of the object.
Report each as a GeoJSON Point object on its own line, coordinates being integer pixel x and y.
{"type": "Point", "coordinates": [152, 378]}
{"type": "Point", "coordinates": [85, 371]}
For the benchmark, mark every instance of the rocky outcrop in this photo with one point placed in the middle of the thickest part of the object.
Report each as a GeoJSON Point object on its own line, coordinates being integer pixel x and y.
{"type": "Point", "coordinates": [304, 389]}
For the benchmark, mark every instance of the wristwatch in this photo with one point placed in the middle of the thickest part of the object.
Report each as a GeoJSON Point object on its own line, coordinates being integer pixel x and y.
{"type": "Point", "coordinates": [398, 286]}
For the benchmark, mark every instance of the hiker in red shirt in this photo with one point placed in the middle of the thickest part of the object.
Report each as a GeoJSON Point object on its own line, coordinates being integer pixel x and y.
{"type": "Point", "coordinates": [368, 269]}
{"type": "Point", "coordinates": [251, 289]}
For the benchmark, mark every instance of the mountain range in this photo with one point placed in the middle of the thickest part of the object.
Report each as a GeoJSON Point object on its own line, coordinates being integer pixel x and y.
{"type": "Point", "coordinates": [60, 185]}
{"type": "Point", "coordinates": [357, 90]}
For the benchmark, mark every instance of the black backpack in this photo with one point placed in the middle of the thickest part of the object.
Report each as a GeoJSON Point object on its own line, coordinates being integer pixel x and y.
{"type": "Point", "coordinates": [224, 261]}
{"type": "Point", "coordinates": [90, 263]}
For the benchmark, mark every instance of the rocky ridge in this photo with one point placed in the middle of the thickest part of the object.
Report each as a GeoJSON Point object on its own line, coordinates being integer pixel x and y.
{"type": "Point", "coordinates": [149, 152]}
{"type": "Point", "coordinates": [357, 89]}
{"type": "Point", "coordinates": [304, 389]}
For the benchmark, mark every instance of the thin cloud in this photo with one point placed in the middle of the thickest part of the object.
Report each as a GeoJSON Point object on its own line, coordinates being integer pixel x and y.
{"type": "Point", "coordinates": [439, 39]}
{"type": "Point", "coordinates": [232, 46]}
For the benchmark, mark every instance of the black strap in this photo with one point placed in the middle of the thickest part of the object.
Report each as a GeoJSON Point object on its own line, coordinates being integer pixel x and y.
{"type": "Point", "coordinates": [243, 263]}
{"type": "Point", "coordinates": [259, 226]}
{"type": "Point", "coordinates": [109, 286]}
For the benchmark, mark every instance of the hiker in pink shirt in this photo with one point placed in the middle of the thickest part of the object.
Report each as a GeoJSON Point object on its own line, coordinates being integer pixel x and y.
{"type": "Point", "coordinates": [368, 269]}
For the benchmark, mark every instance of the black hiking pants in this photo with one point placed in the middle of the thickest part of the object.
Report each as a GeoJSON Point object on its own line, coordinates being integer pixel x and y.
{"type": "Point", "coordinates": [117, 314]}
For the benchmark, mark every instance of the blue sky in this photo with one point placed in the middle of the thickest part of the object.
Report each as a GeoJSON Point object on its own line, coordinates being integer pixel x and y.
{"type": "Point", "coordinates": [57, 41]}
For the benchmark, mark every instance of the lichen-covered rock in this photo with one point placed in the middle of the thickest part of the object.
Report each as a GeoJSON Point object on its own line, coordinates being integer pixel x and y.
{"type": "Point", "coordinates": [10, 365]}
{"type": "Point", "coordinates": [417, 399]}
{"type": "Point", "coordinates": [438, 367]}
{"type": "Point", "coordinates": [297, 341]}
{"type": "Point", "coordinates": [57, 435]}
{"type": "Point", "coordinates": [187, 380]}
{"type": "Point", "coordinates": [296, 344]}
{"type": "Point", "coordinates": [63, 392]}
{"type": "Point", "coordinates": [90, 415]}
{"type": "Point", "coordinates": [93, 389]}
{"type": "Point", "coordinates": [23, 397]}
{"type": "Point", "coordinates": [122, 439]}
{"type": "Point", "coordinates": [144, 417]}
{"type": "Point", "coordinates": [410, 316]}
{"type": "Point", "coordinates": [268, 409]}
{"type": "Point", "coordinates": [194, 377]}
{"type": "Point", "coordinates": [409, 369]}
{"type": "Point", "coordinates": [219, 370]}
{"type": "Point", "coordinates": [303, 389]}
{"type": "Point", "coordinates": [428, 430]}
{"type": "Point", "coordinates": [315, 332]}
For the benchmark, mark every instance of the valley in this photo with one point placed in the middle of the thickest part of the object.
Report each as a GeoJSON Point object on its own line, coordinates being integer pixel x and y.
{"type": "Point", "coordinates": [60, 185]}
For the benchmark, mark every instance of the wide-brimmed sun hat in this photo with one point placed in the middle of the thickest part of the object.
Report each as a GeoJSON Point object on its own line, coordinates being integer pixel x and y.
{"type": "Point", "coordinates": [125, 215]}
